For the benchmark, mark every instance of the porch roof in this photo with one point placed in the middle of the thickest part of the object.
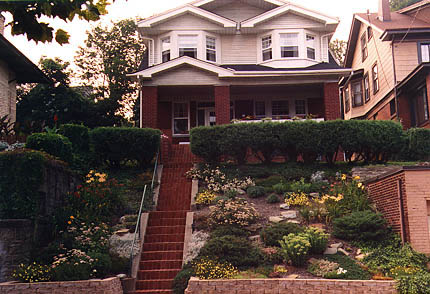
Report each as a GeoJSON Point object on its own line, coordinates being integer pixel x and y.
{"type": "Point", "coordinates": [415, 77]}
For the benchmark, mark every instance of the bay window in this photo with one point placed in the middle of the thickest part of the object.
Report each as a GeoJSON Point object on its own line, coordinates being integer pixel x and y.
{"type": "Point", "coordinates": [165, 49]}
{"type": "Point", "coordinates": [188, 45]}
{"type": "Point", "coordinates": [357, 93]}
{"type": "Point", "coordinates": [425, 52]}
{"type": "Point", "coordinates": [266, 45]}
{"type": "Point", "coordinates": [210, 49]}
{"type": "Point", "coordinates": [180, 119]}
{"type": "Point", "coordinates": [280, 108]}
{"type": "Point", "coordinates": [289, 45]}
{"type": "Point", "coordinates": [310, 46]}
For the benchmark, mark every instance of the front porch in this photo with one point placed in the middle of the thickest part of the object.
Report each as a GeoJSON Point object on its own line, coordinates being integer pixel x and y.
{"type": "Point", "coordinates": [177, 109]}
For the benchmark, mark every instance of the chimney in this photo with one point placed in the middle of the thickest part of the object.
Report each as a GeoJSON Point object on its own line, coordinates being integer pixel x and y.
{"type": "Point", "coordinates": [2, 20]}
{"type": "Point", "coordinates": [384, 12]}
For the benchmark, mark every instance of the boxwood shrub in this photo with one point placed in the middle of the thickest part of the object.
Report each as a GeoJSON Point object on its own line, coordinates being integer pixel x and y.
{"type": "Point", "coordinates": [78, 136]}
{"type": "Point", "coordinates": [114, 146]}
{"type": "Point", "coordinates": [53, 144]}
{"type": "Point", "coordinates": [418, 143]}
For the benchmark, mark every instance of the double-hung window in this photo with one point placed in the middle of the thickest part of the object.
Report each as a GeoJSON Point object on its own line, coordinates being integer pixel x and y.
{"type": "Point", "coordinates": [346, 97]}
{"type": "Point", "coordinates": [369, 33]}
{"type": "Point", "coordinates": [300, 107]}
{"type": "Point", "coordinates": [180, 119]}
{"type": "Point", "coordinates": [357, 93]}
{"type": "Point", "coordinates": [289, 45]}
{"type": "Point", "coordinates": [210, 49]}
{"type": "Point", "coordinates": [375, 78]}
{"type": "Point", "coordinates": [260, 109]}
{"type": "Point", "coordinates": [266, 46]}
{"type": "Point", "coordinates": [280, 108]}
{"type": "Point", "coordinates": [425, 52]}
{"type": "Point", "coordinates": [310, 46]}
{"type": "Point", "coordinates": [364, 47]}
{"type": "Point", "coordinates": [420, 107]}
{"type": "Point", "coordinates": [165, 49]}
{"type": "Point", "coordinates": [366, 87]}
{"type": "Point", "coordinates": [188, 45]}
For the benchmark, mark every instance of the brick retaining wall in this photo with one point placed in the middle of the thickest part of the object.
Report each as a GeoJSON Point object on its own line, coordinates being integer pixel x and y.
{"type": "Point", "coordinates": [107, 286]}
{"type": "Point", "coordinates": [287, 286]}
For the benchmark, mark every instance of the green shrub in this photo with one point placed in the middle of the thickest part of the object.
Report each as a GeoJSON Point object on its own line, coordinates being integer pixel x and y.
{"type": "Point", "coordinates": [419, 143]}
{"type": "Point", "coordinates": [295, 248]}
{"type": "Point", "coordinates": [301, 186]}
{"type": "Point", "coordinates": [317, 238]}
{"type": "Point", "coordinates": [230, 194]}
{"type": "Point", "coordinates": [114, 146]}
{"type": "Point", "coordinates": [419, 283]}
{"type": "Point", "coordinates": [229, 231]}
{"type": "Point", "coordinates": [269, 181]}
{"type": "Point", "coordinates": [273, 198]}
{"type": "Point", "coordinates": [353, 269]}
{"type": "Point", "coordinates": [102, 264]}
{"type": "Point", "coordinates": [234, 212]}
{"type": "Point", "coordinates": [255, 191]}
{"type": "Point", "coordinates": [322, 267]}
{"type": "Point", "coordinates": [78, 136]}
{"type": "Point", "coordinates": [281, 188]}
{"type": "Point", "coordinates": [361, 226]}
{"type": "Point", "coordinates": [53, 144]}
{"type": "Point", "coordinates": [235, 250]}
{"type": "Point", "coordinates": [272, 234]}
{"type": "Point", "coordinates": [180, 282]}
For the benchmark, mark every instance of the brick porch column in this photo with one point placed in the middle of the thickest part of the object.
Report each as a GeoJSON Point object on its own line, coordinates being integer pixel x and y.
{"type": "Point", "coordinates": [222, 104]}
{"type": "Point", "coordinates": [331, 101]}
{"type": "Point", "coordinates": [149, 107]}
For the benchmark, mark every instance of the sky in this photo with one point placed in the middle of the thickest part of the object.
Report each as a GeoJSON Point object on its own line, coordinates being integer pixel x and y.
{"type": "Point", "coordinates": [122, 9]}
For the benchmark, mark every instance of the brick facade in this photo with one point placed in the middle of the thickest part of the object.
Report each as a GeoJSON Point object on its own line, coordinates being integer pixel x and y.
{"type": "Point", "coordinates": [222, 104]}
{"type": "Point", "coordinates": [331, 101]}
{"type": "Point", "coordinates": [107, 286]}
{"type": "Point", "coordinates": [412, 185]}
{"type": "Point", "coordinates": [287, 286]}
{"type": "Point", "coordinates": [149, 107]}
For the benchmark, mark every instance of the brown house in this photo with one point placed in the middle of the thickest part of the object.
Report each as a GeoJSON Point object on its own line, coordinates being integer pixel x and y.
{"type": "Point", "coordinates": [389, 53]}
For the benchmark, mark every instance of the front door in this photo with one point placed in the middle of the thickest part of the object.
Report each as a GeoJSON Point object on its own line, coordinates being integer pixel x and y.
{"type": "Point", "coordinates": [206, 116]}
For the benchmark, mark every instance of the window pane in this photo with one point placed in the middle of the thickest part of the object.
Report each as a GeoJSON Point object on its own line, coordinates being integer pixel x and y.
{"type": "Point", "coordinates": [211, 55]}
{"type": "Point", "coordinates": [211, 49]}
{"type": "Point", "coordinates": [290, 51]}
{"type": "Point", "coordinates": [266, 42]}
{"type": "Point", "coordinates": [191, 52]}
{"type": "Point", "coordinates": [366, 88]}
{"type": "Point", "coordinates": [267, 54]}
{"type": "Point", "coordinates": [165, 44]}
{"type": "Point", "coordinates": [300, 107]}
{"type": "Point", "coordinates": [210, 43]}
{"type": "Point", "coordinates": [364, 47]}
{"type": "Point", "coordinates": [180, 126]}
{"type": "Point", "coordinates": [166, 55]}
{"type": "Point", "coordinates": [425, 52]}
{"type": "Point", "coordinates": [260, 109]}
{"type": "Point", "coordinates": [311, 53]}
{"type": "Point", "coordinates": [180, 110]}
{"type": "Point", "coordinates": [346, 96]}
{"type": "Point", "coordinates": [357, 94]}
{"type": "Point", "coordinates": [187, 41]}
{"type": "Point", "coordinates": [289, 39]}
{"type": "Point", "coordinates": [375, 78]}
{"type": "Point", "coordinates": [280, 108]}
{"type": "Point", "coordinates": [369, 33]}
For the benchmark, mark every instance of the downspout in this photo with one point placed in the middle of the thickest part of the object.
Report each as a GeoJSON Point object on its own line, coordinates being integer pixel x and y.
{"type": "Point", "coordinates": [402, 212]}
{"type": "Point", "coordinates": [395, 81]}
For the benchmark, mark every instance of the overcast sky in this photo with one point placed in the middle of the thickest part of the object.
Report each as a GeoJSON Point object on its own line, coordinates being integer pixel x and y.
{"type": "Point", "coordinates": [143, 8]}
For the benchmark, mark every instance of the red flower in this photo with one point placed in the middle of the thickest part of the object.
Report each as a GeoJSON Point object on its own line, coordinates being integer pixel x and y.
{"type": "Point", "coordinates": [55, 118]}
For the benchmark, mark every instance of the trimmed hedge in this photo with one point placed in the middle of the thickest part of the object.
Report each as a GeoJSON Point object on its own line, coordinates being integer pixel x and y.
{"type": "Point", "coordinates": [371, 141]}
{"type": "Point", "coordinates": [419, 143]}
{"type": "Point", "coordinates": [53, 144]}
{"type": "Point", "coordinates": [78, 135]}
{"type": "Point", "coordinates": [114, 146]}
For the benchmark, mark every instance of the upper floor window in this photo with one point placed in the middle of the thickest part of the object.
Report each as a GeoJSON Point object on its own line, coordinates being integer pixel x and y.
{"type": "Point", "coordinates": [289, 45]}
{"type": "Point", "coordinates": [366, 87]}
{"type": "Point", "coordinates": [425, 52]}
{"type": "Point", "coordinates": [346, 97]}
{"type": "Point", "coordinates": [165, 49]}
{"type": "Point", "coordinates": [310, 46]}
{"type": "Point", "coordinates": [369, 33]}
{"type": "Point", "coordinates": [210, 49]}
{"type": "Point", "coordinates": [266, 45]}
{"type": "Point", "coordinates": [280, 108]}
{"type": "Point", "coordinates": [363, 47]}
{"type": "Point", "coordinates": [375, 78]}
{"type": "Point", "coordinates": [187, 45]}
{"type": "Point", "coordinates": [357, 93]}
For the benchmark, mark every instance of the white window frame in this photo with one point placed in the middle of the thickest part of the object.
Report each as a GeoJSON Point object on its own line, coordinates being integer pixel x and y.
{"type": "Point", "coordinates": [196, 36]}
{"type": "Point", "coordinates": [265, 49]}
{"type": "Point", "coordinates": [209, 49]}
{"type": "Point", "coordinates": [173, 119]}
{"type": "Point", "coordinates": [297, 34]}
{"type": "Point", "coordinates": [311, 45]}
{"type": "Point", "coordinates": [425, 51]}
{"type": "Point", "coordinates": [168, 49]}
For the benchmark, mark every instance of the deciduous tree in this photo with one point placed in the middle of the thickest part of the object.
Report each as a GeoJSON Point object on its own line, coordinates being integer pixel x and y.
{"type": "Point", "coordinates": [399, 4]}
{"type": "Point", "coordinates": [338, 48]}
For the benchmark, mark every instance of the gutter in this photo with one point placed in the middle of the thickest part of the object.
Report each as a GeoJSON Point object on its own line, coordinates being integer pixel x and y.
{"type": "Point", "coordinates": [292, 72]}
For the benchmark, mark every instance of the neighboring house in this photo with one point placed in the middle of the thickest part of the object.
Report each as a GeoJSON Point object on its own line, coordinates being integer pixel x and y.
{"type": "Point", "coordinates": [389, 55]}
{"type": "Point", "coordinates": [212, 61]}
{"type": "Point", "coordinates": [15, 68]}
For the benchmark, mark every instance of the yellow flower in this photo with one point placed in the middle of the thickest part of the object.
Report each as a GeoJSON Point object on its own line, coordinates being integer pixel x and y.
{"type": "Point", "coordinates": [72, 217]}
{"type": "Point", "coordinates": [102, 180]}
{"type": "Point", "coordinates": [343, 177]}
{"type": "Point", "coordinates": [359, 185]}
{"type": "Point", "coordinates": [356, 178]}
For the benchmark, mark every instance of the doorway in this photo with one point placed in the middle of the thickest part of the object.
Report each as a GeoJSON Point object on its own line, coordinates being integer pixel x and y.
{"type": "Point", "coordinates": [206, 116]}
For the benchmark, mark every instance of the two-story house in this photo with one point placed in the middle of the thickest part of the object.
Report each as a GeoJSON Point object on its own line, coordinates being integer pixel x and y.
{"type": "Point", "coordinates": [14, 68]}
{"type": "Point", "coordinates": [389, 54]}
{"type": "Point", "coordinates": [216, 61]}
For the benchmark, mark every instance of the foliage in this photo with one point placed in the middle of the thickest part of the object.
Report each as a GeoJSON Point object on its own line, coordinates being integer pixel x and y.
{"type": "Point", "coordinates": [6, 125]}
{"type": "Point", "coordinates": [361, 226]}
{"type": "Point", "coordinates": [273, 255]}
{"type": "Point", "coordinates": [210, 269]}
{"type": "Point", "coordinates": [20, 198]}
{"type": "Point", "coordinates": [236, 250]}
{"type": "Point", "coordinates": [32, 273]}
{"type": "Point", "coordinates": [109, 54]}
{"type": "Point", "coordinates": [353, 269]}
{"type": "Point", "coordinates": [268, 181]}
{"type": "Point", "coordinates": [399, 4]}
{"type": "Point", "coordinates": [255, 191]}
{"type": "Point", "coordinates": [418, 283]}
{"type": "Point", "coordinates": [74, 265]}
{"type": "Point", "coordinates": [221, 231]}
{"type": "Point", "coordinates": [419, 143]}
{"type": "Point", "coordinates": [295, 248]}
{"type": "Point", "coordinates": [301, 186]}
{"type": "Point", "coordinates": [56, 145]}
{"type": "Point", "coordinates": [297, 199]}
{"type": "Point", "coordinates": [180, 282]}
{"type": "Point", "coordinates": [281, 188]}
{"type": "Point", "coordinates": [98, 199]}
{"type": "Point", "coordinates": [114, 146]}
{"type": "Point", "coordinates": [322, 267]}
{"type": "Point", "coordinates": [27, 16]}
{"type": "Point", "coordinates": [317, 238]}
{"type": "Point", "coordinates": [271, 235]}
{"type": "Point", "coordinates": [272, 198]}
{"type": "Point", "coordinates": [78, 136]}
{"type": "Point", "coordinates": [205, 197]}
{"type": "Point", "coordinates": [87, 237]}
{"type": "Point", "coordinates": [338, 48]}
{"type": "Point", "coordinates": [235, 212]}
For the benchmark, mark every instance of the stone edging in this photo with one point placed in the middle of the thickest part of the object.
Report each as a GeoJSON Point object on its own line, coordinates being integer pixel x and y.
{"type": "Point", "coordinates": [188, 234]}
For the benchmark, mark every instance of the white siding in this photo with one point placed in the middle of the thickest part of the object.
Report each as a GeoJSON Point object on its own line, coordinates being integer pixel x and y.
{"type": "Point", "coordinates": [239, 49]}
{"type": "Point", "coordinates": [238, 11]}
{"type": "Point", "coordinates": [187, 22]}
{"type": "Point", "coordinates": [185, 75]}
{"type": "Point", "coordinates": [289, 20]}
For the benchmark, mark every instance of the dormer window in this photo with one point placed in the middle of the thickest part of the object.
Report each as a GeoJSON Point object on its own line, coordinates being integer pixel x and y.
{"type": "Point", "coordinates": [187, 45]}
{"type": "Point", "coordinates": [310, 46]}
{"type": "Point", "coordinates": [165, 49]}
{"type": "Point", "coordinates": [289, 45]}
{"type": "Point", "coordinates": [210, 49]}
{"type": "Point", "coordinates": [266, 45]}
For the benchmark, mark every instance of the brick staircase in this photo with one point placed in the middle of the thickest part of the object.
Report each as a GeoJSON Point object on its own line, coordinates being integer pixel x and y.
{"type": "Point", "coordinates": [163, 247]}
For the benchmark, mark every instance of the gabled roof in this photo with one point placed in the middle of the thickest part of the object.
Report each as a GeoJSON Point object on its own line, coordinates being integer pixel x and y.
{"type": "Point", "coordinates": [25, 70]}
{"type": "Point", "coordinates": [289, 7]}
{"type": "Point", "coordinates": [199, 3]}
{"type": "Point", "coordinates": [188, 8]}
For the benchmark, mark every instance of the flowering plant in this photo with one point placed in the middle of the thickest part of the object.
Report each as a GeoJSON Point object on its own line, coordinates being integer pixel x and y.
{"type": "Point", "coordinates": [297, 199]}
{"type": "Point", "coordinates": [209, 269]}
{"type": "Point", "coordinates": [73, 265]}
{"type": "Point", "coordinates": [205, 197]}
{"type": "Point", "coordinates": [295, 248]}
{"type": "Point", "coordinates": [236, 212]}
{"type": "Point", "coordinates": [88, 237]}
{"type": "Point", "coordinates": [32, 273]}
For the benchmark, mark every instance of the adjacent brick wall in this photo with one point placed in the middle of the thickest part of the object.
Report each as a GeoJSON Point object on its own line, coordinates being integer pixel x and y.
{"type": "Point", "coordinates": [286, 286]}
{"type": "Point", "coordinates": [405, 111]}
{"type": "Point", "coordinates": [107, 286]}
{"type": "Point", "coordinates": [222, 104]}
{"type": "Point", "coordinates": [149, 107]}
{"type": "Point", "coordinates": [331, 101]}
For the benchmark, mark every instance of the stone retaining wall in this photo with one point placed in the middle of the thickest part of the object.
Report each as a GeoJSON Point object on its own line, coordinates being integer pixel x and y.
{"type": "Point", "coordinates": [288, 286]}
{"type": "Point", "coordinates": [107, 286]}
